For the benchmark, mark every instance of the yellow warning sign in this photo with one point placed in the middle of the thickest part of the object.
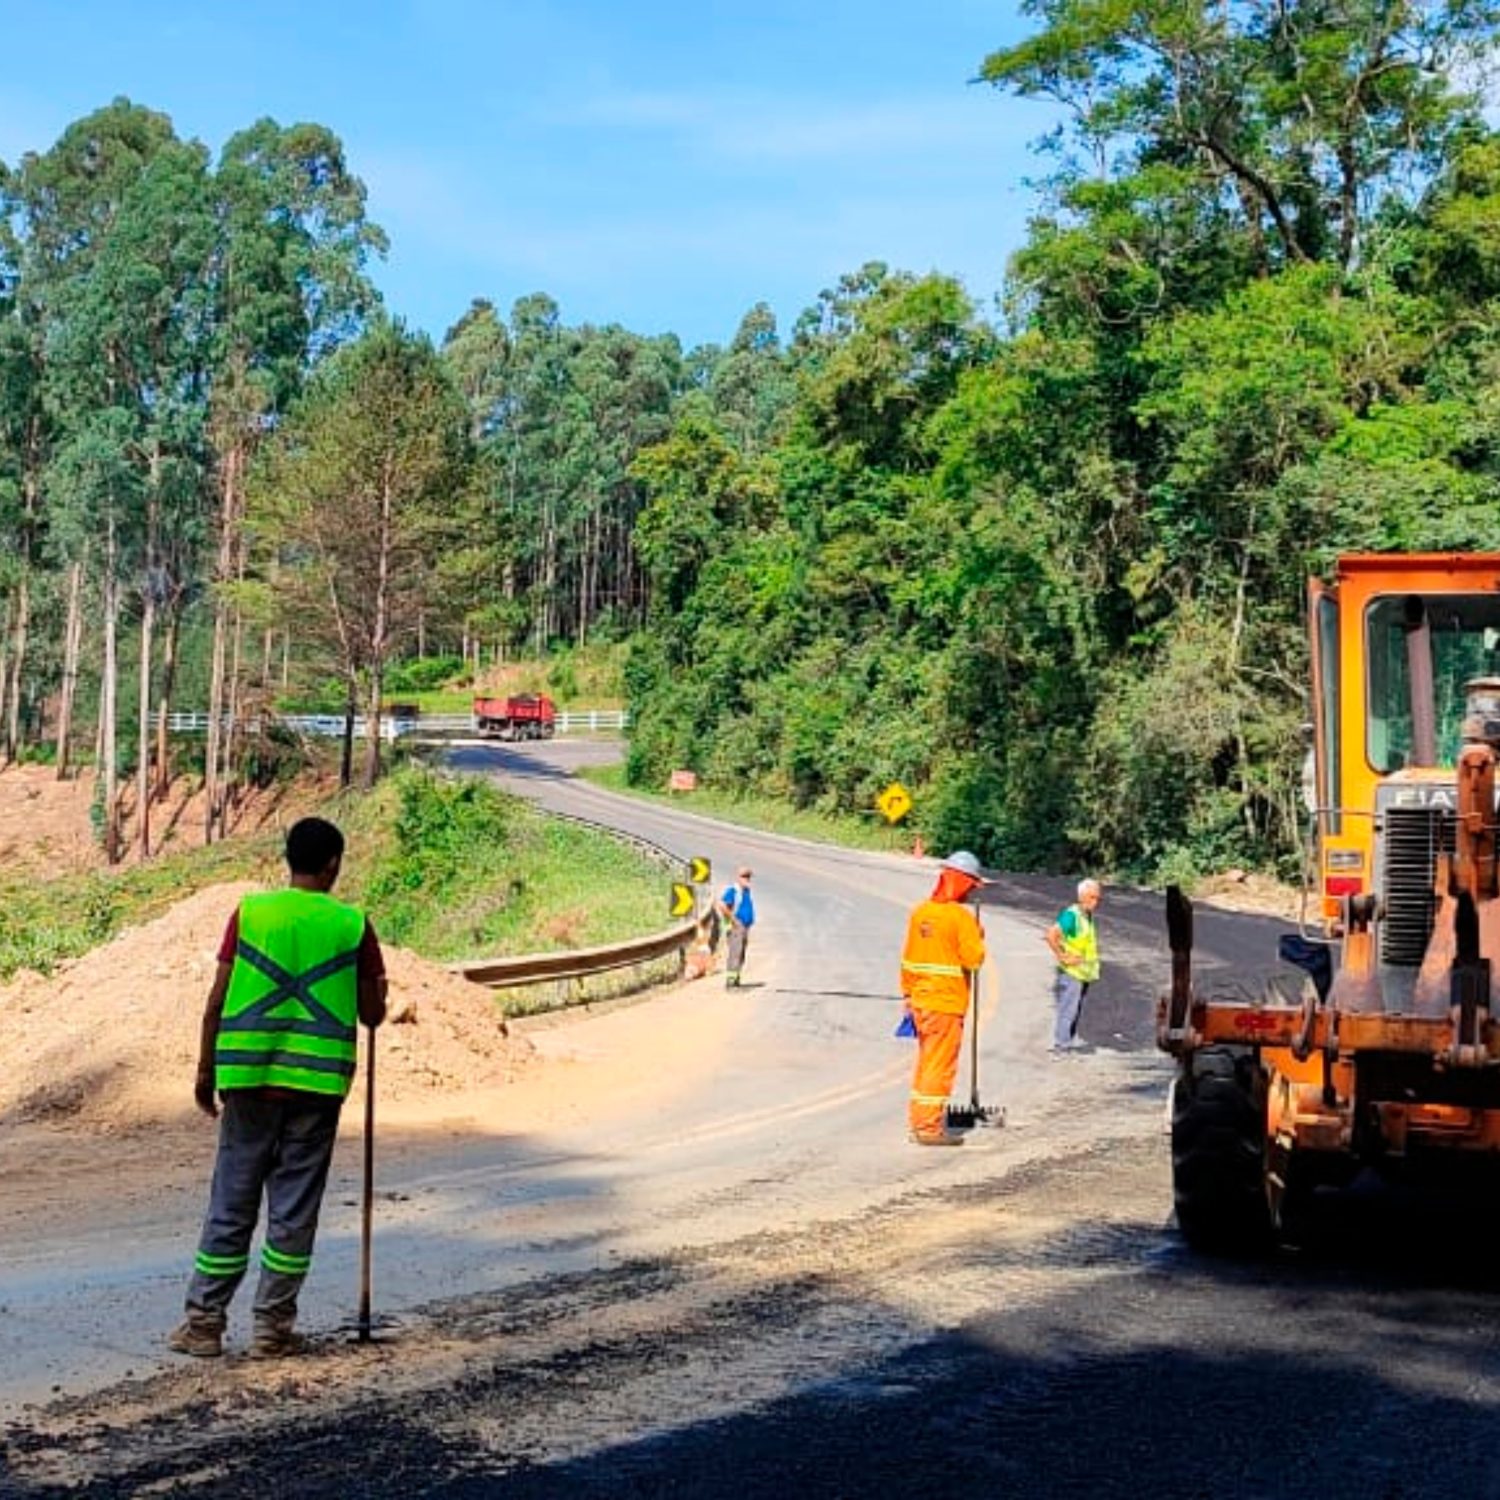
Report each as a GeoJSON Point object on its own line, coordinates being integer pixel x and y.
{"type": "Point", "coordinates": [894, 802]}
{"type": "Point", "coordinates": [683, 899]}
{"type": "Point", "coordinates": [703, 872]}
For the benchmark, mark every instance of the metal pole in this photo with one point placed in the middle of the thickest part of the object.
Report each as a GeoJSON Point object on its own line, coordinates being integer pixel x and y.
{"type": "Point", "coordinates": [367, 1211]}
{"type": "Point", "coordinates": [974, 1042]}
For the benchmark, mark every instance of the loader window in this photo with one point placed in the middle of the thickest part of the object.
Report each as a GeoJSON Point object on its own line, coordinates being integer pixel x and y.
{"type": "Point", "coordinates": [1465, 630]}
{"type": "Point", "coordinates": [1329, 788]}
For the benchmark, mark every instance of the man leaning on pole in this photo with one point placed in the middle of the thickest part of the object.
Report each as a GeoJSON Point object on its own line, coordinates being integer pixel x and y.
{"type": "Point", "coordinates": [297, 970]}
{"type": "Point", "coordinates": [944, 947]}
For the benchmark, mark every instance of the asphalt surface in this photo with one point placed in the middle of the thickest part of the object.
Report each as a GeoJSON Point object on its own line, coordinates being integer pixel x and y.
{"type": "Point", "coordinates": [757, 1289]}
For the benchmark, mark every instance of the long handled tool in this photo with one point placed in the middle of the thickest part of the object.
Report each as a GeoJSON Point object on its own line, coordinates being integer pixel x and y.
{"type": "Point", "coordinates": [967, 1116]}
{"type": "Point", "coordinates": [367, 1210]}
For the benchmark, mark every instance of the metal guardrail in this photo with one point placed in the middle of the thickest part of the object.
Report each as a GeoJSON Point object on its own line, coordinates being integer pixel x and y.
{"type": "Point", "coordinates": [570, 721]}
{"type": "Point", "coordinates": [583, 963]}
{"type": "Point", "coordinates": [579, 963]}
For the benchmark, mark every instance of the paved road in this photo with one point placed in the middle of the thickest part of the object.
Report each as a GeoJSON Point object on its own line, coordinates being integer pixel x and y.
{"type": "Point", "coordinates": [741, 1278]}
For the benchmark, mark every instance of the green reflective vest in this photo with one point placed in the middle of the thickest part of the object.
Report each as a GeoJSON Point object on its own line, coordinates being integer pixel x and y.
{"type": "Point", "coordinates": [1081, 951]}
{"type": "Point", "coordinates": [293, 1000]}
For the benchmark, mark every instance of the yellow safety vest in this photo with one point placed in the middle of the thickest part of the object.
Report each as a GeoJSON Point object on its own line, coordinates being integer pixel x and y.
{"type": "Point", "coordinates": [1081, 951]}
{"type": "Point", "coordinates": [293, 998]}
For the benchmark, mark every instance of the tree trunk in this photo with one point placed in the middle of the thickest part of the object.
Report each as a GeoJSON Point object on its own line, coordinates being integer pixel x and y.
{"type": "Point", "coordinates": [109, 770]}
{"type": "Point", "coordinates": [17, 665]}
{"type": "Point", "coordinates": [143, 730]}
{"type": "Point", "coordinates": [232, 718]}
{"type": "Point", "coordinates": [380, 630]}
{"type": "Point", "coordinates": [372, 732]}
{"type": "Point", "coordinates": [148, 643]}
{"type": "Point", "coordinates": [346, 760]}
{"type": "Point", "coordinates": [5, 653]}
{"type": "Point", "coordinates": [31, 496]}
{"type": "Point", "coordinates": [72, 647]}
{"type": "Point", "coordinates": [164, 703]}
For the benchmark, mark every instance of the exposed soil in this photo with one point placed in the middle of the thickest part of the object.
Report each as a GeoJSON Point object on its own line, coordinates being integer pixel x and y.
{"type": "Point", "coordinates": [1244, 890]}
{"type": "Point", "coordinates": [45, 823]}
{"type": "Point", "coordinates": [99, 1057]}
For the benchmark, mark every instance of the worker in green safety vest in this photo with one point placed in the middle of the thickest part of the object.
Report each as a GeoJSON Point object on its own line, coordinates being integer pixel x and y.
{"type": "Point", "coordinates": [297, 970]}
{"type": "Point", "coordinates": [1074, 941]}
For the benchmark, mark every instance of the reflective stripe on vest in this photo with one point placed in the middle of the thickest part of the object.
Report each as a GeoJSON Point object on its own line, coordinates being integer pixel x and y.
{"type": "Point", "coordinates": [950, 969]}
{"type": "Point", "coordinates": [1081, 952]}
{"type": "Point", "coordinates": [293, 998]}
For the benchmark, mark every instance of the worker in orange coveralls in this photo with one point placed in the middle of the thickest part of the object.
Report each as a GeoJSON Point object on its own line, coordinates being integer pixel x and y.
{"type": "Point", "coordinates": [944, 946]}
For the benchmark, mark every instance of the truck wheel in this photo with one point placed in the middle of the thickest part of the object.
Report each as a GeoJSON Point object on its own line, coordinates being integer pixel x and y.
{"type": "Point", "coordinates": [1218, 1152]}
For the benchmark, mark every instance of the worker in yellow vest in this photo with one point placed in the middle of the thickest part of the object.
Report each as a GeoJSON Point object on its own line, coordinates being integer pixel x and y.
{"type": "Point", "coordinates": [1074, 942]}
{"type": "Point", "coordinates": [297, 969]}
{"type": "Point", "coordinates": [944, 946]}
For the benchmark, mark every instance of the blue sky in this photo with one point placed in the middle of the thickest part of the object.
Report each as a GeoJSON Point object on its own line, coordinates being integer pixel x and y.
{"type": "Point", "coordinates": [654, 163]}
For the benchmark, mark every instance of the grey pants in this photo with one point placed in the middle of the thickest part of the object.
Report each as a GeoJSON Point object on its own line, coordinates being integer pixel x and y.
{"type": "Point", "coordinates": [1067, 996]}
{"type": "Point", "coordinates": [280, 1145]}
{"type": "Point", "coordinates": [738, 938]}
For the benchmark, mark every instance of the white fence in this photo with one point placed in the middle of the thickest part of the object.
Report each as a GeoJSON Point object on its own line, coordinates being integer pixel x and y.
{"type": "Point", "coordinates": [397, 727]}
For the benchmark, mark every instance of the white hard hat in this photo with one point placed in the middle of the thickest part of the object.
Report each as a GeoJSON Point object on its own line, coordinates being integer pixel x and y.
{"type": "Point", "coordinates": [965, 863]}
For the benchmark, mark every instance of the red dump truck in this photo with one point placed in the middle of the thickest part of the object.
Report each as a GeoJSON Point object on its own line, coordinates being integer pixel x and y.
{"type": "Point", "coordinates": [528, 716]}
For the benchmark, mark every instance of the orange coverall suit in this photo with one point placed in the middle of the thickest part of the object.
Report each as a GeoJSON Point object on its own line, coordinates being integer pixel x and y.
{"type": "Point", "coordinates": [944, 942]}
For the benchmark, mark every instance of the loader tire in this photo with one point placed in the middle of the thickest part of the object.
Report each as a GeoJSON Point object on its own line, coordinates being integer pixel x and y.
{"type": "Point", "coordinates": [1218, 1152]}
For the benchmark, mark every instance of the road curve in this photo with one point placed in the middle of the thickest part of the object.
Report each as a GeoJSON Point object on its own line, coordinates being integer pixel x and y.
{"type": "Point", "coordinates": [724, 1268]}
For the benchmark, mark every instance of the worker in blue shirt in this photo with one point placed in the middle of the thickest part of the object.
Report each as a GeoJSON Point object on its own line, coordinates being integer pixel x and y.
{"type": "Point", "coordinates": [738, 908]}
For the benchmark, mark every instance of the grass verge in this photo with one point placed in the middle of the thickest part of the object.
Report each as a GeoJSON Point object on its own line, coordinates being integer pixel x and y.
{"type": "Point", "coordinates": [764, 813]}
{"type": "Point", "coordinates": [455, 868]}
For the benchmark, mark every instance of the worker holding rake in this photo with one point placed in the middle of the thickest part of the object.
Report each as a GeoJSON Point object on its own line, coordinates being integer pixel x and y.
{"type": "Point", "coordinates": [944, 946]}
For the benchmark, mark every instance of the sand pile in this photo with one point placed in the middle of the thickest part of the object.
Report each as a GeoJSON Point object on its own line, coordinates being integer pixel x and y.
{"type": "Point", "coordinates": [110, 1041]}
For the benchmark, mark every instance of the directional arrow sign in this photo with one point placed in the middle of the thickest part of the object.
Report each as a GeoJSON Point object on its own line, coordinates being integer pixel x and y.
{"type": "Point", "coordinates": [684, 898]}
{"type": "Point", "coordinates": [703, 872]}
{"type": "Point", "coordinates": [894, 802]}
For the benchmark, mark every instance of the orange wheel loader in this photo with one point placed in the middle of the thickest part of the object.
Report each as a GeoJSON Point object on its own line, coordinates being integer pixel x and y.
{"type": "Point", "coordinates": [1390, 1058]}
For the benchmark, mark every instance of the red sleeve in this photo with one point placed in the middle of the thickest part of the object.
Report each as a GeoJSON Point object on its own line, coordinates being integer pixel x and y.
{"type": "Point", "coordinates": [231, 939]}
{"type": "Point", "coordinates": [371, 960]}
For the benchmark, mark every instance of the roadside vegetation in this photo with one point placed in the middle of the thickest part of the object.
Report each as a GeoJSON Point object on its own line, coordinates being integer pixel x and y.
{"type": "Point", "coordinates": [758, 810]}
{"type": "Point", "coordinates": [1051, 575]}
{"type": "Point", "coordinates": [448, 868]}
{"type": "Point", "coordinates": [1046, 570]}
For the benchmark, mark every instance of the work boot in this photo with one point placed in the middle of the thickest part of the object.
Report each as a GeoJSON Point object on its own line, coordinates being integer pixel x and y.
{"type": "Point", "coordinates": [200, 1334]}
{"type": "Point", "coordinates": [936, 1138]}
{"type": "Point", "coordinates": [275, 1340]}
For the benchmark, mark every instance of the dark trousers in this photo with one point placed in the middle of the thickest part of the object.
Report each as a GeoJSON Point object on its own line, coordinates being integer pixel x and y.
{"type": "Point", "coordinates": [279, 1145]}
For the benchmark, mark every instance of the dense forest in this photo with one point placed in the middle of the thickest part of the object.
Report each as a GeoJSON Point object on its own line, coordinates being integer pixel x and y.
{"type": "Point", "coordinates": [1051, 574]}
{"type": "Point", "coordinates": [1043, 562]}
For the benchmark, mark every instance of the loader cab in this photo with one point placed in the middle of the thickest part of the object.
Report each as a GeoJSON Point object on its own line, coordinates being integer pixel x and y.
{"type": "Point", "coordinates": [1399, 646]}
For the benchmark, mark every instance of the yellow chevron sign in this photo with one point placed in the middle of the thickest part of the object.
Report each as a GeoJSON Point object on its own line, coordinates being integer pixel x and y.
{"type": "Point", "coordinates": [684, 898]}
{"type": "Point", "coordinates": [894, 802]}
{"type": "Point", "coordinates": [703, 872]}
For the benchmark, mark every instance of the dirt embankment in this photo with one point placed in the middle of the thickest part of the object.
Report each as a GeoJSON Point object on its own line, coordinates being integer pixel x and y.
{"type": "Point", "coordinates": [46, 824]}
{"type": "Point", "coordinates": [108, 1043]}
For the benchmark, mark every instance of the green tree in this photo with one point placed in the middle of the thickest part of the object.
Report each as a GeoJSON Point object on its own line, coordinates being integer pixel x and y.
{"type": "Point", "coordinates": [360, 499]}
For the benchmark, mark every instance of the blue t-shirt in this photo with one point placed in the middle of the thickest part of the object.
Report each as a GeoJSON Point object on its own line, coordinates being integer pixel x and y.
{"type": "Point", "coordinates": [739, 900]}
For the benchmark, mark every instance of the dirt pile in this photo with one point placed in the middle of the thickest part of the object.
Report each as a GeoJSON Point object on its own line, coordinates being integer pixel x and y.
{"type": "Point", "coordinates": [110, 1041]}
